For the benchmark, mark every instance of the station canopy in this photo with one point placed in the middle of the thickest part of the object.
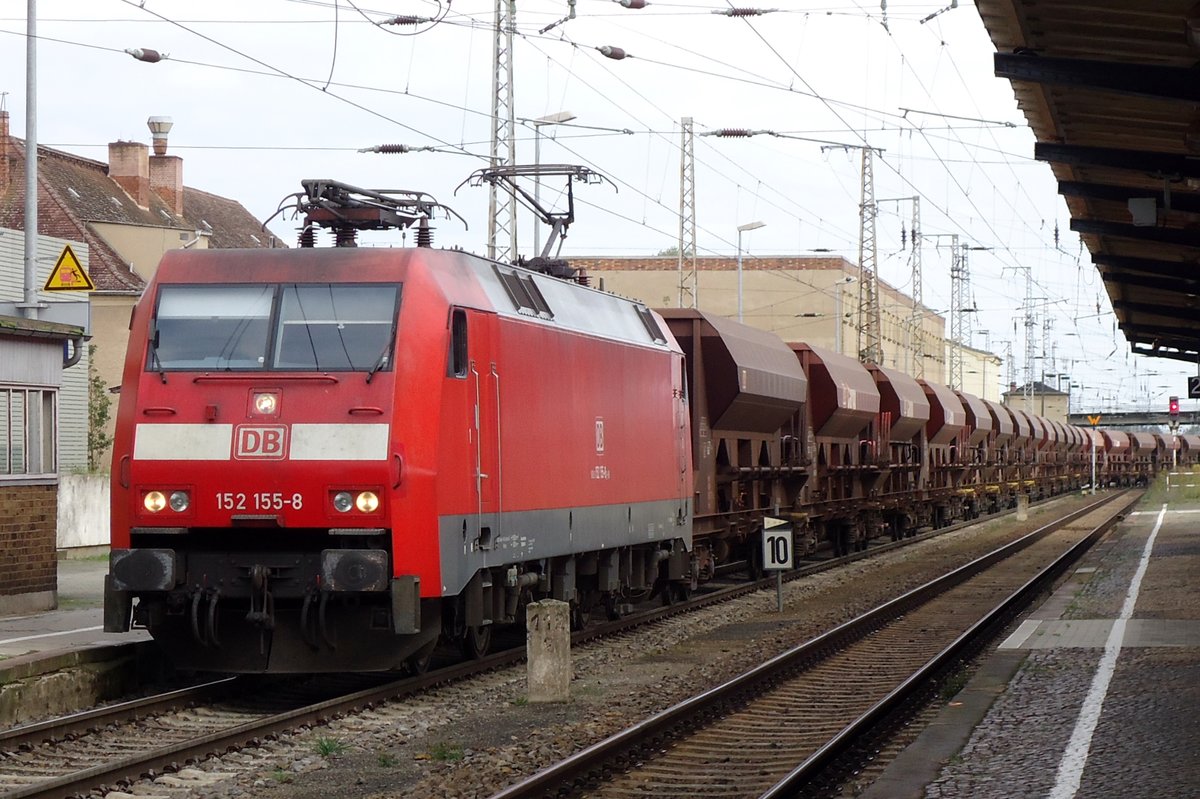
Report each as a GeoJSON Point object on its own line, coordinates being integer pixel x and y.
{"type": "Point", "coordinates": [1111, 90]}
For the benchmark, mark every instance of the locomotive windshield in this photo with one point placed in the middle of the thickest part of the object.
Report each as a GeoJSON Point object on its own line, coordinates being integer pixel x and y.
{"type": "Point", "coordinates": [296, 327]}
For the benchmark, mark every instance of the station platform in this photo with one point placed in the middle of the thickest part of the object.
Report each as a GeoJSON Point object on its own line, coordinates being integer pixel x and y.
{"type": "Point", "coordinates": [77, 623]}
{"type": "Point", "coordinates": [1095, 693]}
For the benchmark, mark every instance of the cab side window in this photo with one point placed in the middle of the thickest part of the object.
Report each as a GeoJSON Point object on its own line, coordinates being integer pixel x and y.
{"type": "Point", "coordinates": [458, 364]}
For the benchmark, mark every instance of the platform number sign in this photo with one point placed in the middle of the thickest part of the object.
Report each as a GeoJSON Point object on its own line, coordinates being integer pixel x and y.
{"type": "Point", "coordinates": [1194, 387]}
{"type": "Point", "coordinates": [777, 543]}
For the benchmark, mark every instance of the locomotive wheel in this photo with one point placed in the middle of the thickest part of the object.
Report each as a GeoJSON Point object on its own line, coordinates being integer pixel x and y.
{"type": "Point", "coordinates": [418, 662]}
{"type": "Point", "coordinates": [612, 606]}
{"type": "Point", "coordinates": [476, 641]}
{"type": "Point", "coordinates": [674, 593]}
{"type": "Point", "coordinates": [579, 617]}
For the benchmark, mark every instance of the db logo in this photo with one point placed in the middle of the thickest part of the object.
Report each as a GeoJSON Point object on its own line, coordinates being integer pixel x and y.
{"type": "Point", "coordinates": [262, 443]}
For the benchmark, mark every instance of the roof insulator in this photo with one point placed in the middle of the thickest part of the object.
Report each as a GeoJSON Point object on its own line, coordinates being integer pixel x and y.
{"type": "Point", "coordinates": [615, 53]}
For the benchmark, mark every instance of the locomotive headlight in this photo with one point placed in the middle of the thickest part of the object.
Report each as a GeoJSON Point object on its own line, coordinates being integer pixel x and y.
{"type": "Point", "coordinates": [343, 502]}
{"type": "Point", "coordinates": [367, 502]}
{"type": "Point", "coordinates": [265, 403]}
{"type": "Point", "coordinates": [180, 501]}
{"type": "Point", "coordinates": [154, 501]}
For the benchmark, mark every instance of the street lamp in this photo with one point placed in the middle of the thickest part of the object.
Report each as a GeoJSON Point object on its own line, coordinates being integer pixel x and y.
{"type": "Point", "coordinates": [558, 118]}
{"type": "Point", "coordinates": [742, 229]}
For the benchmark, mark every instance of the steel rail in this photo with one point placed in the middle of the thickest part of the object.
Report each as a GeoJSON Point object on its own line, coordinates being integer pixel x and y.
{"type": "Point", "coordinates": [919, 681]}
{"type": "Point", "coordinates": [76, 723]}
{"type": "Point", "coordinates": [249, 733]}
{"type": "Point", "coordinates": [595, 758]}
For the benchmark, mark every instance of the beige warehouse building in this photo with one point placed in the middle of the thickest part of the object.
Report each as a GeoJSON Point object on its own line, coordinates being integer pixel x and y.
{"type": "Point", "coordinates": [809, 299]}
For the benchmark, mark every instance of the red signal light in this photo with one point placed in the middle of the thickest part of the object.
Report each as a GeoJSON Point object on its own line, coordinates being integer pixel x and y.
{"type": "Point", "coordinates": [1173, 407]}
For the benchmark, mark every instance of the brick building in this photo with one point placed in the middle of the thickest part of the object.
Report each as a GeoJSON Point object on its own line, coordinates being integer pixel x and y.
{"type": "Point", "coordinates": [31, 368]}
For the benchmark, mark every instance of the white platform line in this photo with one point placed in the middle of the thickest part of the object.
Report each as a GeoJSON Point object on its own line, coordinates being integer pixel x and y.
{"type": "Point", "coordinates": [1185, 510]}
{"type": "Point", "coordinates": [50, 635]}
{"type": "Point", "coordinates": [1021, 634]}
{"type": "Point", "coordinates": [1070, 768]}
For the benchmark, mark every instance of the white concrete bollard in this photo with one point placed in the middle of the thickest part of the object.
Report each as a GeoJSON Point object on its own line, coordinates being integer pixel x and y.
{"type": "Point", "coordinates": [1022, 507]}
{"type": "Point", "coordinates": [548, 650]}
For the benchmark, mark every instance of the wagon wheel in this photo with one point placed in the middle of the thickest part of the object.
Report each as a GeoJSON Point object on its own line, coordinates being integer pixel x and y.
{"type": "Point", "coordinates": [754, 563]}
{"type": "Point", "coordinates": [476, 641]}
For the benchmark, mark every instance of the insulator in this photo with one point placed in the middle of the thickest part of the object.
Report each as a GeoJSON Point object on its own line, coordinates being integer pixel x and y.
{"type": "Point", "coordinates": [424, 234]}
{"type": "Point", "coordinates": [146, 54]}
{"type": "Point", "coordinates": [308, 236]}
{"type": "Point", "coordinates": [732, 133]}
{"type": "Point", "coordinates": [634, 3]}
{"type": "Point", "coordinates": [388, 149]}
{"type": "Point", "coordinates": [615, 53]}
{"type": "Point", "coordinates": [741, 12]}
{"type": "Point", "coordinates": [345, 237]}
{"type": "Point", "coordinates": [405, 20]}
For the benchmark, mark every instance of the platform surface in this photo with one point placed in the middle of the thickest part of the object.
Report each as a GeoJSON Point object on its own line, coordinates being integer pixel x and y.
{"type": "Point", "coordinates": [1096, 693]}
{"type": "Point", "coordinates": [77, 622]}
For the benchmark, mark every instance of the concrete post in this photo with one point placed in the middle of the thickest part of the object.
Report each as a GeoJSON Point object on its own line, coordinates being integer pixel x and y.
{"type": "Point", "coordinates": [548, 649]}
{"type": "Point", "coordinates": [1022, 507]}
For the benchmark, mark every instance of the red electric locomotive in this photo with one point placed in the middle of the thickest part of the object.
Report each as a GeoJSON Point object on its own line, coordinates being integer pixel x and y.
{"type": "Point", "coordinates": [327, 458]}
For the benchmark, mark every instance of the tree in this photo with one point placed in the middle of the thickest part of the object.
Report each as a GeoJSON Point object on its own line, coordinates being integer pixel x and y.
{"type": "Point", "coordinates": [99, 405]}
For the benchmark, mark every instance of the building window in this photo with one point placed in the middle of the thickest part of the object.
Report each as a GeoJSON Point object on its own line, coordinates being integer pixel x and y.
{"type": "Point", "coordinates": [27, 446]}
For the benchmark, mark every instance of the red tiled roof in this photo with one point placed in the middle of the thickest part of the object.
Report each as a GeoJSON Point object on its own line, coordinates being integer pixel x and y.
{"type": "Point", "coordinates": [74, 192]}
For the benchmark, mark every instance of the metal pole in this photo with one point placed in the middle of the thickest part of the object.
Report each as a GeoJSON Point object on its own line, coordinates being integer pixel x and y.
{"type": "Point", "coordinates": [537, 187]}
{"type": "Point", "coordinates": [30, 306]}
{"type": "Point", "coordinates": [739, 274]}
{"type": "Point", "coordinates": [1093, 459]}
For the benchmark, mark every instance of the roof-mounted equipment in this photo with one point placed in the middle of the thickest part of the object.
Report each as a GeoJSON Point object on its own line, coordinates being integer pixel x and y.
{"type": "Point", "coordinates": [347, 209]}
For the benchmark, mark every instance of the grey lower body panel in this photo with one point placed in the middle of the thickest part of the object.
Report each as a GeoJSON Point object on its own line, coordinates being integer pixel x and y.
{"type": "Point", "coordinates": [473, 542]}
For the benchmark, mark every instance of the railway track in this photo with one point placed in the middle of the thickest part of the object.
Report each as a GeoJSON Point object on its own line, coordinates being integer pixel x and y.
{"type": "Point", "coordinates": [112, 746]}
{"type": "Point", "coordinates": [796, 724]}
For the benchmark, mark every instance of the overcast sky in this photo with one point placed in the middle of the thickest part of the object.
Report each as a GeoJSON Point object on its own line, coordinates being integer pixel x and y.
{"type": "Point", "coordinates": [264, 94]}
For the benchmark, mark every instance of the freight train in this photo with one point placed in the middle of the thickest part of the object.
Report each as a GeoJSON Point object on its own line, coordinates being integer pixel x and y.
{"type": "Point", "coordinates": [331, 459]}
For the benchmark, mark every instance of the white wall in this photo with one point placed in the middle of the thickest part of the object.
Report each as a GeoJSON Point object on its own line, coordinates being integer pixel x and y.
{"type": "Point", "coordinates": [83, 518]}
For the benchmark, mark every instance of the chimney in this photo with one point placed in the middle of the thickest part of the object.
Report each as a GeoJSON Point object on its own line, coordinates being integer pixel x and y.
{"type": "Point", "coordinates": [3, 151]}
{"type": "Point", "coordinates": [129, 166]}
{"type": "Point", "coordinates": [166, 171]}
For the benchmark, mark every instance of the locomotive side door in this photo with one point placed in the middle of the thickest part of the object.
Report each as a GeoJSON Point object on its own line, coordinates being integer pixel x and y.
{"type": "Point", "coordinates": [485, 427]}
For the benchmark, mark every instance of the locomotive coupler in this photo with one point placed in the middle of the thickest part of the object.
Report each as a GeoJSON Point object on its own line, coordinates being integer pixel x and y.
{"type": "Point", "coordinates": [262, 601]}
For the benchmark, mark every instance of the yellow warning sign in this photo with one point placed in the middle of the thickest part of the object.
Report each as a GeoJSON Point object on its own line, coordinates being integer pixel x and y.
{"type": "Point", "coordinates": [1095, 420]}
{"type": "Point", "coordinates": [68, 274]}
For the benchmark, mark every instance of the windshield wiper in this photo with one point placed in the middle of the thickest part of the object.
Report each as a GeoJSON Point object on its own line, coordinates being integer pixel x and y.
{"type": "Point", "coordinates": [155, 363]}
{"type": "Point", "coordinates": [383, 356]}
